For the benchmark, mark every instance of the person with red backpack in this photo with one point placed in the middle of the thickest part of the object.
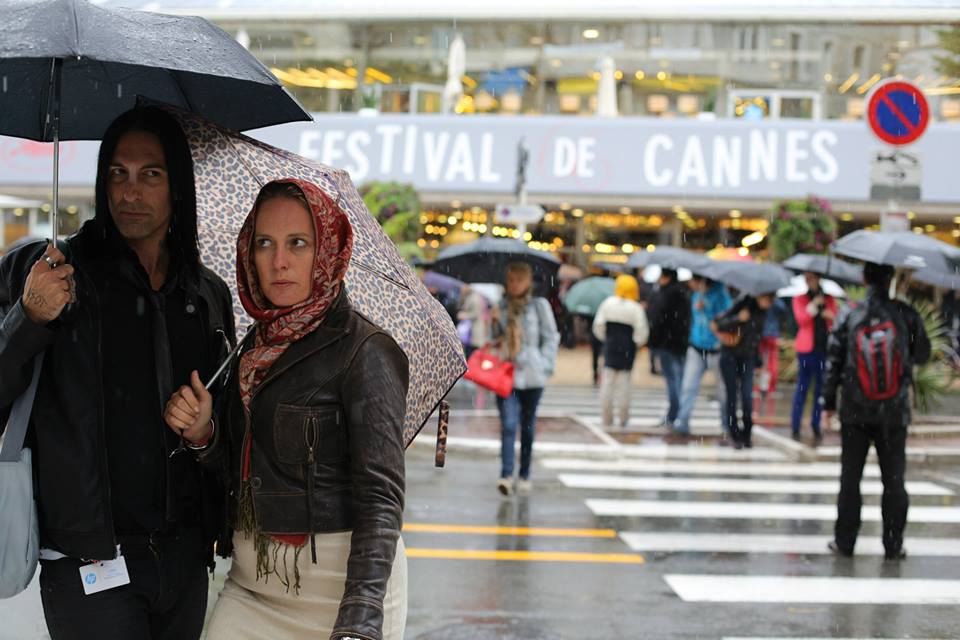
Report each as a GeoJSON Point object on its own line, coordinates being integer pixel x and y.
{"type": "Point", "coordinates": [870, 356]}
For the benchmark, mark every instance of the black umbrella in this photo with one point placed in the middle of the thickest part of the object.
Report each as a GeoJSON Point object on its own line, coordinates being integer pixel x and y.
{"type": "Point", "coordinates": [751, 278]}
{"type": "Point", "coordinates": [668, 258]}
{"type": "Point", "coordinates": [899, 249]}
{"type": "Point", "coordinates": [825, 266]}
{"type": "Point", "coordinates": [68, 68]}
{"type": "Point", "coordinates": [486, 260]}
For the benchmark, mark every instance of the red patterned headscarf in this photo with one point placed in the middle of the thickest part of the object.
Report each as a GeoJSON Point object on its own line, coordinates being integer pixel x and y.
{"type": "Point", "coordinates": [280, 327]}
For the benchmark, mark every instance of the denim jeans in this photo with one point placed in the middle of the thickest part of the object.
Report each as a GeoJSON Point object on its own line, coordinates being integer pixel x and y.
{"type": "Point", "coordinates": [812, 365]}
{"type": "Point", "coordinates": [738, 377]}
{"type": "Point", "coordinates": [695, 365]}
{"type": "Point", "coordinates": [519, 409]}
{"type": "Point", "coordinates": [672, 366]}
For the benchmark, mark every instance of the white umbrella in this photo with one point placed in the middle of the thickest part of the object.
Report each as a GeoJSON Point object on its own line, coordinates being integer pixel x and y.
{"type": "Point", "coordinates": [652, 273]}
{"type": "Point", "coordinates": [798, 287]}
{"type": "Point", "coordinates": [491, 291]}
{"type": "Point", "coordinates": [607, 89]}
{"type": "Point", "coordinates": [456, 67]}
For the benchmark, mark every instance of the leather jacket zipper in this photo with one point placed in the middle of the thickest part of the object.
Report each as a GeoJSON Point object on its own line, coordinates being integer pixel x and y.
{"type": "Point", "coordinates": [105, 466]}
{"type": "Point", "coordinates": [311, 434]}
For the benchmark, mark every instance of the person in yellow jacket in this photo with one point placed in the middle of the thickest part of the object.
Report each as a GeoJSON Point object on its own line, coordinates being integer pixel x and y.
{"type": "Point", "coordinates": [621, 324]}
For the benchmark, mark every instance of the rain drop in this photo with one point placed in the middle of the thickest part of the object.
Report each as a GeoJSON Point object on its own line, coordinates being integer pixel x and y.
{"type": "Point", "coordinates": [119, 90]}
{"type": "Point", "coordinates": [4, 84]}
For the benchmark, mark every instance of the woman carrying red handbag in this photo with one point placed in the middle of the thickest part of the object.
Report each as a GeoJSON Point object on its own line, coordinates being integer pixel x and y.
{"type": "Point", "coordinates": [528, 337]}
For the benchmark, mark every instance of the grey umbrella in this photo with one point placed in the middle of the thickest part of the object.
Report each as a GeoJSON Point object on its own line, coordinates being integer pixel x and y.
{"type": "Point", "coordinates": [825, 266]}
{"type": "Point", "coordinates": [899, 249]}
{"type": "Point", "coordinates": [668, 258]}
{"type": "Point", "coordinates": [486, 260]}
{"type": "Point", "coordinates": [68, 68]}
{"type": "Point", "coordinates": [939, 279]}
{"type": "Point", "coordinates": [751, 278]}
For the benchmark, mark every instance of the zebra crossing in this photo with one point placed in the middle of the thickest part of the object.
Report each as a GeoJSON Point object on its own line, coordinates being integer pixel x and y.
{"type": "Point", "coordinates": [729, 531]}
{"type": "Point", "coordinates": [648, 407]}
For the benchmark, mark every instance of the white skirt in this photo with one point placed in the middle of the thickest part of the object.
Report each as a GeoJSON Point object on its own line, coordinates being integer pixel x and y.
{"type": "Point", "coordinates": [252, 609]}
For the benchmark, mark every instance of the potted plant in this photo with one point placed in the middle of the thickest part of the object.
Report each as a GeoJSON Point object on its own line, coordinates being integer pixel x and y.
{"type": "Point", "coordinates": [396, 207]}
{"type": "Point", "coordinates": [801, 226]}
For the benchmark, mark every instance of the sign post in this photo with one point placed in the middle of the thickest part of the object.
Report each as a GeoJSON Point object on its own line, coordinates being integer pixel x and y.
{"type": "Point", "coordinates": [898, 114]}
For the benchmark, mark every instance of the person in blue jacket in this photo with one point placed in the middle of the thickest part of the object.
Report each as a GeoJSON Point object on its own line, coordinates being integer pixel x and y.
{"type": "Point", "coordinates": [709, 300]}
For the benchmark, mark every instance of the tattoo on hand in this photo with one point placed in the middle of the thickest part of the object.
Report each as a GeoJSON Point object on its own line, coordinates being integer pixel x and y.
{"type": "Point", "coordinates": [36, 299]}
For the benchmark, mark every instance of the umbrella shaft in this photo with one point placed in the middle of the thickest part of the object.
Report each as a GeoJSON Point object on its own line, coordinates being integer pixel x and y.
{"type": "Point", "coordinates": [56, 184]}
{"type": "Point", "coordinates": [53, 115]}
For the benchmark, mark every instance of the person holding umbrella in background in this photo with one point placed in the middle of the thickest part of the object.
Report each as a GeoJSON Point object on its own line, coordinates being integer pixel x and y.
{"type": "Point", "coordinates": [669, 316]}
{"type": "Point", "coordinates": [814, 312]}
{"type": "Point", "coordinates": [710, 299]}
{"type": "Point", "coordinates": [528, 336]}
{"type": "Point", "coordinates": [113, 483]}
{"type": "Point", "coordinates": [740, 329]}
{"type": "Point", "coordinates": [621, 325]}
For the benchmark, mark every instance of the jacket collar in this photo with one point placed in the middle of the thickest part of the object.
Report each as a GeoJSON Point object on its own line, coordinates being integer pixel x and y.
{"type": "Point", "coordinates": [331, 330]}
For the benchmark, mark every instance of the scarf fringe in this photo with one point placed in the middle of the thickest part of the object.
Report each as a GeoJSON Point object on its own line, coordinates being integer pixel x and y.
{"type": "Point", "coordinates": [272, 555]}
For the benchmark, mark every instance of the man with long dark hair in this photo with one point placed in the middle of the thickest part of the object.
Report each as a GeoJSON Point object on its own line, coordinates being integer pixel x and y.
{"type": "Point", "coordinates": [124, 311]}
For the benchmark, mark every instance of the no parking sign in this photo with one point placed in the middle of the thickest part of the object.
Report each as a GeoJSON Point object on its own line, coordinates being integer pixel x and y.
{"type": "Point", "coordinates": [898, 112]}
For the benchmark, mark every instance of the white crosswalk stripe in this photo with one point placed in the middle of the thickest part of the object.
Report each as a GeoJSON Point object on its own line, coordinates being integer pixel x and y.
{"type": "Point", "coordinates": [705, 468]}
{"type": "Point", "coordinates": [803, 589]}
{"type": "Point", "coordinates": [678, 541]}
{"type": "Point", "coordinates": [737, 485]}
{"type": "Point", "coordinates": [756, 511]}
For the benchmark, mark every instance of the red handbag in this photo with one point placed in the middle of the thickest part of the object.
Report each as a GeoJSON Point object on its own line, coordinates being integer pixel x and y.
{"type": "Point", "coordinates": [490, 372]}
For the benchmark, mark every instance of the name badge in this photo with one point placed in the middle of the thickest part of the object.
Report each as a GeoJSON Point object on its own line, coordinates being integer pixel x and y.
{"type": "Point", "coordinates": [100, 576]}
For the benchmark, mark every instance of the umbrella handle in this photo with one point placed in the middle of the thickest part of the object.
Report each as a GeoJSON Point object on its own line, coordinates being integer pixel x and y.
{"type": "Point", "coordinates": [230, 356]}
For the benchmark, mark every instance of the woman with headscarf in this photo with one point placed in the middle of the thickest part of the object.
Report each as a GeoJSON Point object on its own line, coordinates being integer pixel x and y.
{"type": "Point", "coordinates": [309, 436]}
{"type": "Point", "coordinates": [525, 326]}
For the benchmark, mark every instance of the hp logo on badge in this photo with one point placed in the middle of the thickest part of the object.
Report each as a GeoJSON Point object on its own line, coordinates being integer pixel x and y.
{"type": "Point", "coordinates": [91, 578]}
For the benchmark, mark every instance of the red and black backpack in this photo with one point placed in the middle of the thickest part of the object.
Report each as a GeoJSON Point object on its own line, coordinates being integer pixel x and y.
{"type": "Point", "coordinates": [879, 346]}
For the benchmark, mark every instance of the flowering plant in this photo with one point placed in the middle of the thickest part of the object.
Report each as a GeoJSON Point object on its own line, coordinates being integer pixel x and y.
{"type": "Point", "coordinates": [801, 226]}
{"type": "Point", "coordinates": [397, 208]}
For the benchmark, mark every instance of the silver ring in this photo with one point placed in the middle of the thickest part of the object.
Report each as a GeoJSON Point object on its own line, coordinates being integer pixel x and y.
{"type": "Point", "coordinates": [50, 261]}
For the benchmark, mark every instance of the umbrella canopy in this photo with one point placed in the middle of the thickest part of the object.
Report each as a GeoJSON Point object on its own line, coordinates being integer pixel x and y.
{"type": "Point", "coordinates": [102, 59]}
{"type": "Point", "coordinates": [434, 281]}
{"type": "Point", "coordinates": [668, 257]}
{"type": "Point", "coordinates": [899, 249]}
{"type": "Point", "coordinates": [751, 278]}
{"type": "Point", "coordinates": [491, 291]}
{"type": "Point", "coordinates": [230, 169]}
{"type": "Point", "coordinates": [70, 67]}
{"type": "Point", "coordinates": [584, 298]}
{"type": "Point", "coordinates": [607, 89]}
{"type": "Point", "coordinates": [825, 266]}
{"type": "Point", "coordinates": [570, 273]}
{"type": "Point", "coordinates": [486, 260]}
{"type": "Point", "coordinates": [798, 287]}
{"type": "Point", "coordinates": [938, 279]}
{"type": "Point", "coordinates": [652, 273]}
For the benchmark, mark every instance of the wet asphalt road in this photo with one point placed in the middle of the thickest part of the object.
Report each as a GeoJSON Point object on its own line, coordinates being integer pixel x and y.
{"type": "Point", "coordinates": [477, 599]}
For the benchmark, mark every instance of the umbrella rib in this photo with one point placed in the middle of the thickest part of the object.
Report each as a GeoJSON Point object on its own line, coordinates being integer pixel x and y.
{"type": "Point", "coordinates": [176, 81]}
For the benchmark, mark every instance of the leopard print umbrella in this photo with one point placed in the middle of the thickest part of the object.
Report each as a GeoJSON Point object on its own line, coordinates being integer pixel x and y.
{"type": "Point", "coordinates": [230, 168]}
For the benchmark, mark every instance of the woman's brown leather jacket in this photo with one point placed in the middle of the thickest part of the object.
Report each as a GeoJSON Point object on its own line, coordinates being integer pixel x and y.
{"type": "Point", "coordinates": [327, 451]}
